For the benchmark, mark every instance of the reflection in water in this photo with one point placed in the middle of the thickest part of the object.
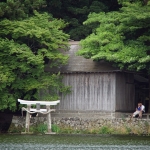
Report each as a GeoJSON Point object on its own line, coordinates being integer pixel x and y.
{"type": "Point", "coordinates": [73, 142]}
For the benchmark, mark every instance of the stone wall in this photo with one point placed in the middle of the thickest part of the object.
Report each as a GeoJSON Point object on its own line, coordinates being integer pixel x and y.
{"type": "Point", "coordinates": [119, 124]}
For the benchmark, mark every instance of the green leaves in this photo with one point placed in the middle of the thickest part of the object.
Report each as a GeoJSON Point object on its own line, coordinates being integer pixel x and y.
{"type": "Point", "coordinates": [26, 47]}
{"type": "Point", "coordinates": [122, 37]}
{"type": "Point", "coordinates": [76, 12]}
{"type": "Point", "coordinates": [19, 9]}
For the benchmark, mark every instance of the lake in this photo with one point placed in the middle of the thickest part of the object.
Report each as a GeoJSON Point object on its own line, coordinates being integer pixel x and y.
{"type": "Point", "coordinates": [73, 142]}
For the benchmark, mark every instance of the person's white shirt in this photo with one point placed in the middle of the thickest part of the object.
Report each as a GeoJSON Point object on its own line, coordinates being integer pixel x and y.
{"type": "Point", "coordinates": [143, 108]}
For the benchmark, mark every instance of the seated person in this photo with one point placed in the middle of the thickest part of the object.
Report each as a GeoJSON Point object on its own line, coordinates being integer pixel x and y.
{"type": "Point", "coordinates": [138, 111]}
{"type": "Point", "coordinates": [142, 110]}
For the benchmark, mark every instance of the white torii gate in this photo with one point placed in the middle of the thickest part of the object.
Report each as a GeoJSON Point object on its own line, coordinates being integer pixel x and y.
{"type": "Point", "coordinates": [30, 110]}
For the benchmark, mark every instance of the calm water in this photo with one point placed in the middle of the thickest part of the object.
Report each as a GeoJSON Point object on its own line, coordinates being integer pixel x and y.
{"type": "Point", "coordinates": [73, 142]}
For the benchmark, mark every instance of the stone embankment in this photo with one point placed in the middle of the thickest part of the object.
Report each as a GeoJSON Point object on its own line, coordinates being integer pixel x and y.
{"type": "Point", "coordinates": [116, 125]}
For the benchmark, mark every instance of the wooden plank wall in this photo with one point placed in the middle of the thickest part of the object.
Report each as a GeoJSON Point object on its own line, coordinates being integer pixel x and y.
{"type": "Point", "coordinates": [125, 93]}
{"type": "Point", "coordinates": [90, 91]}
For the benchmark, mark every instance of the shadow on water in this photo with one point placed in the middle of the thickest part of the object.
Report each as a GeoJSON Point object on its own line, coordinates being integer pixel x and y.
{"type": "Point", "coordinates": [73, 142]}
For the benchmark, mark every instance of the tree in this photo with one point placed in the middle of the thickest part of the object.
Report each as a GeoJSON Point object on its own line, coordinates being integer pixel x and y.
{"type": "Point", "coordinates": [76, 12]}
{"type": "Point", "coordinates": [26, 46]}
{"type": "Point", "coordinates": [122, 37]}
{"type": "Point", "coordinates": [18, 9]}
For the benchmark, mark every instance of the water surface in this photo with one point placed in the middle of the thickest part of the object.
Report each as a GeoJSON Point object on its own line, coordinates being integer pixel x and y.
{"type": "Point", "coordinates": [73, 142]}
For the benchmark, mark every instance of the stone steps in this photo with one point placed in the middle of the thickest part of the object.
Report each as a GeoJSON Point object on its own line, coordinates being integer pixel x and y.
{"type": "Point", "coordinates": [145, 115]}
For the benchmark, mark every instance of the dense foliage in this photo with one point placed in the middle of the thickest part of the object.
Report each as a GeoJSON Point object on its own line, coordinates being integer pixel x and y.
{"type": "Point", "coordinates": [72, 12]}
{"type": "Point", "coordinates": [122, 37]}
{"type": "Point", "coordinates": [115, 31]}
{"type": "Point", "coordinates": [27, 43]}
{"type": "Point", "coordinates": [18, 9]}
{"type": "Point", "coordinates": [76, 12]}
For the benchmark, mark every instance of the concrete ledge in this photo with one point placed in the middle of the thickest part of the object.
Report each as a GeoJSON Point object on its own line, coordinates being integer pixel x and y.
{"type": "Point", "coordinates": [50, 133]}
{"type": "Point", "coordinates": [144, 116]}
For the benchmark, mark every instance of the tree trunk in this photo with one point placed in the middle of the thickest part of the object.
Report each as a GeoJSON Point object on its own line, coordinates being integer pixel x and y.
{"type": "Point", "coordinates": [145, 2]}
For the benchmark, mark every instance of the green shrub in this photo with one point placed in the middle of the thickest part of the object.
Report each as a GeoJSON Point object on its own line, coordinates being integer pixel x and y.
{"type": "Point", "coordinates": [41, 128]}
{"type": "Point", "coordinates": [128, 129]}
{"type": "Point", "coordinates": [55, 128]}
{"type": "Point", "coordinates": [105, 130]}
